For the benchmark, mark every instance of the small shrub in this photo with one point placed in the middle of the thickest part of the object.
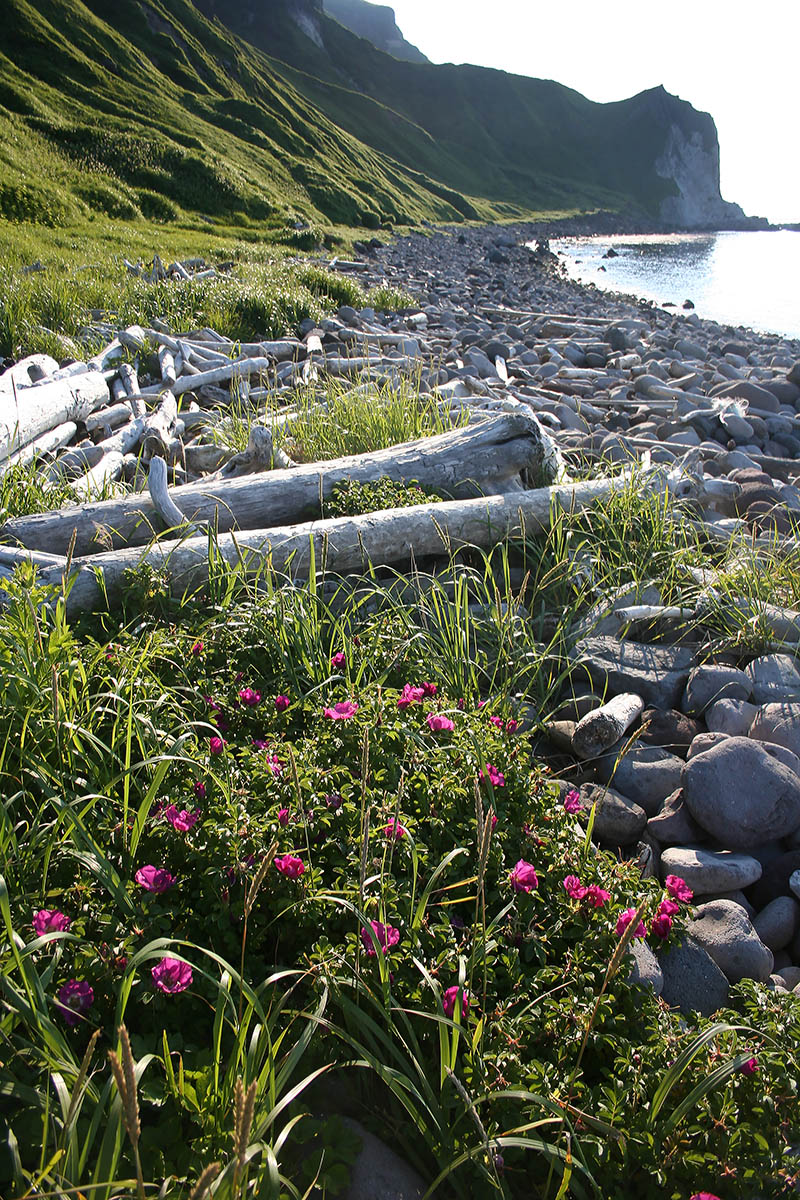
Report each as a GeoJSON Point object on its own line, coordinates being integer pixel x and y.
{"type": "Point", "coordinates": [156, 207]}
{"type": "Point", "coordinates": [353, 498]}
{"type": "Point", "coordinates": [104, 199]}
{"type": "Point", "coordinates": [27, 202]}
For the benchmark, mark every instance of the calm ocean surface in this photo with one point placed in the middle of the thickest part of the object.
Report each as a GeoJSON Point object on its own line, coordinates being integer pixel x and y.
{"type": "Point", "coordinates": [750, 279]}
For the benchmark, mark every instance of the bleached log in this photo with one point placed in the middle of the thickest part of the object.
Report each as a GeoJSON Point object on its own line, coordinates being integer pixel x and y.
{"type": "Point", "coordinates": [604, 726]}
{"type": "Point", "coordinates": [461, 463]}
{"type": "Point", "coordinates": [125, 439]}
{"type": "Point", "coordinates": [54, 439]}
{"type": "Point", "coordinates": [107, 470]}
{"type": "Point", "coordinates": [158, 427]}
{"type": "Point", "coordinates": [246, 366]}
{"type": "Point", "coordinates": [166, 508]}
{"type": "Point", "coordinates": [13, 556]}
{"type": "Point", "coordinates": [31, 411]}
{"type": "Point", "coordinates": [117, 414]}
{"type": "Point", "coordinates": [27, 372]}
{"type": "Point", "coordinates": [345, 544]}
{"type": "Point", "coordinates": [166, 360]}
{"type": "Point", "coordinates": [74, 463]}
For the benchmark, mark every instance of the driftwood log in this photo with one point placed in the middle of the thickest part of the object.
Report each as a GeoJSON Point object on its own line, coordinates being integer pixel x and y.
{"type": "Point", "coordinates": [343, 544]}
{"type": "Point", "coordinates": [485, 457]}
{"type": "Point", "coordinates": [26, 413]}
{"type": "Point", "coordinates": [604, 726]}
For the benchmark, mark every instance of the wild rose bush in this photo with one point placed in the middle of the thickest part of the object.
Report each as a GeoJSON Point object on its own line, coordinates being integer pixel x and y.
{"type": "Point", "coordinates": [342, 789]}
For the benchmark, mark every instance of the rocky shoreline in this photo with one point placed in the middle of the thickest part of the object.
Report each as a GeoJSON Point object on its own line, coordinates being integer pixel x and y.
{"type": "Point", "coordinates": [690, 756]}
{"type": "Point", "coordinates": [686, 753]}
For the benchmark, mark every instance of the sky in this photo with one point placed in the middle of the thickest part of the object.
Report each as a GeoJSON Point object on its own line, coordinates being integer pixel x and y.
{"type": "Point", "coordinates": [736, 60]}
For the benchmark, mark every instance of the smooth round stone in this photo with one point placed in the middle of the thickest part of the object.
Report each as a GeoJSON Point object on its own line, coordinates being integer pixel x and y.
{"type": "Point", "coordinates": [616, 818]}
{"type": "Point", "coordinates": [731, 717]}
{"type": "Point", "coordinates": [707, 684]}
{"type": "Point", "coordinates": [710, 871]}
{"type": "Point", "coordinates": [794, 884]}
{"type": "Point", "coordinates": [779, 723]}
{"type": "Point", "coordinates": [645, 971]}
{"type": "Point", "coordinates": [703, 742]}
{"type": "Point", "coordinates": [724, 929]}
{"type": "Point", "coordinates": [668, 729]}
{"type": "Point", "coordinates": [741, 795]}
{"type": "Point", "coordinates": [790, 976]}
{"type": "Point", "coordinates": [673, 824]}
{"type": "Point", "coordinates": [645, 774]}
{"type": "Point", "coordinates": [774, 677]}
{"type": "Point", "coordinates": [777, 924]}
{"type": "Point", "coordinates": [692, 980]}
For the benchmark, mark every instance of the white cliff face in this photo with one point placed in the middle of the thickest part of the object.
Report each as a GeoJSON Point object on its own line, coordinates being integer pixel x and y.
{"type": "Point", "coordinates": [695, 172]}
{"type": "Point", "coordinates": [310, 27]}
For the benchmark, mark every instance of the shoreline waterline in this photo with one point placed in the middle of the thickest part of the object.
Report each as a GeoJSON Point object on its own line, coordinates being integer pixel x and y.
{"type": "Point", "coordinates": [742, 279]}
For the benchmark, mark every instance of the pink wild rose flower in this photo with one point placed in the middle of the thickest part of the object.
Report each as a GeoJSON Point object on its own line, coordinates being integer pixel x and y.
{"type": "Point", "coordinates": [342, 711]}
{"type": "Point", "coordinates": [523, 877]}
{"type": "Point", "coordinates": [250, 697]}
{"type": "Point", "coordinates": [596, 895]}
{"type": "Point", "coordinates": [50, 920]}
{"type": "Point", "coordinates": [283, 817]}
{"type": "Point", "coordinates": [181, 819]}
{"type": "Point", "coordinates": [623, 921]}
{"type": "Point", "coordinates": [572, 801]}
{"type": "Point", "coordinates": [154, 879]}
{"type": "Point", "coordinates": [74, 999]}
{"type": "Point", "coordinates": [387, 936]}
{"type": "Point", "coordinates": [438, 723]}
{"type": "Point", "coordinates": [170, 975]}
{"type": "Point", "coordinates": [410, 695]}
{"type": "Point", "coordinates": [394, 830]}
{"type": "Point", "coordinates": [661, 925]}
{"type": "Point", "coordinates": [678, 888]}
{"type": "Point", "coordinates": [199, 789]}
{"type": "Point", "coordinates": [216, 745]}
{"type": "Point", "coordinates": [750, 1067]}
{"type": "Point", "coordinates": [574, 888]}
{"type": "Point", "coordinates": [282, 703]}
{"type": "Point", "coordinates": [338, 660]}
{"type": "Point", "coordinates": [449, 1001]}
{"type": "Point", "coordinates": [496, 778]}
{"type": "Point", "coordinates": [290, 866]}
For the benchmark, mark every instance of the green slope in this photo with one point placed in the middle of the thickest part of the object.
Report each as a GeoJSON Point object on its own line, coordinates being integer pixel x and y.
{"type": "Point", "coordinates": [148, 110]}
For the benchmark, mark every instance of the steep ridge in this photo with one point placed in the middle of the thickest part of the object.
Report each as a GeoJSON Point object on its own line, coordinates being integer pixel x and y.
{"type": "Point", "coordinates": [376, 23]}
{"type": "Point", "coordinates": [508, 138]}
{"type": "Point", "coordinates": [265, 114]}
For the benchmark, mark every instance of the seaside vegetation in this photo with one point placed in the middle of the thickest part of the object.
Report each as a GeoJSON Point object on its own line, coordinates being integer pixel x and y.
{"type": "Point", "coordinates": [280, 851]}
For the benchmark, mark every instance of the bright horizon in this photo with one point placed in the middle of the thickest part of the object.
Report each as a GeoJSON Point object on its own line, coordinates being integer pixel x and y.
{"type": "Point", "coordinates": [741, 71]}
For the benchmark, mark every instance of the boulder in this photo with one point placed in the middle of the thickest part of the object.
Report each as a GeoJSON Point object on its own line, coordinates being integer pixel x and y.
{"type": "Point", "coordinates": [657, 673]}
{"type": "Point", "coordinates": [379, 1173]}
{"type": "Point", "coordinates": [724, 930]}
{"type": "Point", "coordinates": [692, 980]}
{"type": "Point", "coordinates": [703, 742]}
{"type": "Point", "coordinates": [774, 678]}
{"type": "Point", "coordinates": [645, 774]}
{"type": "Point", "coordinates": [708, 872]}
{"type": "Point", "coordinates": [645, 971]}
{"type": "Point", "coordinates": [673, 824]}
{"type": "Point", "coordinates": [617, 819]}
{"type": "Point", "coordinates": [740, 794]}
{"type": "Point", "coordinates": [777, 924]}
{"type": "Point", "coordinates": [731, 717]}
{"type": "Point", "coordinates": [708, 684]}
{"type": "Point", "coordinates": [779, 723]}
{"type": "Point", "coordinates": [668, 729]}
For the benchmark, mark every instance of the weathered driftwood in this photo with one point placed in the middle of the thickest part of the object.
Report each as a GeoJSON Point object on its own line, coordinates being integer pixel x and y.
{"type": "Point", "coordinates": [166, 508]}
{"type": "Point", "coordinates": [29, 412]}
{"type": "Point", "coordinates": [344, 544]}
{"type": "Point", "coordinates": [74, 463]}
{"type": "Point", "coordinates": [242, 367]}
{"type": "Point", "coordinates": [158, 427]}
{"type": "Point", "coordinates": [116, 414]}
{"type": "Point", "coordinates": [461, 463]}
{"type": "Point", "coordinates": [54, 439]}
{"type": "Point", "coordinates": [12, 556]}
{"type": "Point", "coordinates": [27, 371]}
{"type": "Point", "coordinates": [601, 728]}
{"type": "Point", "coordinates": [107, 470]}
{"type": "Point", "coordinates": [260, 455]}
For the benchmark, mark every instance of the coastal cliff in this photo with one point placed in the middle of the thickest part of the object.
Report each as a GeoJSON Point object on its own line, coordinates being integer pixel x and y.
{"type": "Point", "coordinates": [376, 23]}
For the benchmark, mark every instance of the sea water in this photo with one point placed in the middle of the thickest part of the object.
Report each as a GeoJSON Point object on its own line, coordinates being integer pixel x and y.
{"type": "Point", "coordinates": [749, 279]}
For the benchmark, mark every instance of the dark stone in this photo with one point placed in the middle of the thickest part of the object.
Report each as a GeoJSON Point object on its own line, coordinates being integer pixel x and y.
{"type": "Point", "coordinates": [775, 878]}
{"type": "Point", "coordinates": [692, 980]}
{"type": "Point", "coordinates": [669, 729]}
{"type": "Point", "coordinates": [674, 825]}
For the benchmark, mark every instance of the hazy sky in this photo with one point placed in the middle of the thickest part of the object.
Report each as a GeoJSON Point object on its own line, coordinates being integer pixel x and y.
{"type": "Point", "coordinates": [737, 61]}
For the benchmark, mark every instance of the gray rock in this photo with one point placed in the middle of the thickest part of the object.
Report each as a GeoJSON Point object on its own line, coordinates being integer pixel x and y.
{"type": "Point", "coordinates": [656, 673]}
{"type": "Point", "coordinates": [775, 878]}
{"type": "Point", "coordinates": [790, 976]}
{"type": "Point", "coordinates": [646, 774]}
{"type": "Point", "coordinates": [774, 677]}
{"type": "Point", "coordinates": [740, 794]}
{"type": "Point", "coordinates": [673, 824]}
{"type": "Point", "coordinates": [724, 930]}
{"type": "Point", "coordinates": [703, 742]}
{"type": "Point", "coordinates": [778, 723]}
{"type": "Point", "coordinates": [794, 883]}
{"type": "Point", "coordinates": [708, 684]}
{"type": "Point", "coordinates": [731, 717]}
{"type": "Point", "coordinates": [710, 871]}
{"type": "Point", "coordinates": [777, 924]}
{"type": "Point", "coordinates": [617, 819]}
{"type": "Point", "coordinates": [379, 1173]}
{"type": "Point", "coordinates": [739, 898]}
{"type": "Point", "coordinates": [645, 971]}
{"type": "Point", "coordinates": [668, 729]}
{"type": "Point", "coordinates": [692, 980]}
